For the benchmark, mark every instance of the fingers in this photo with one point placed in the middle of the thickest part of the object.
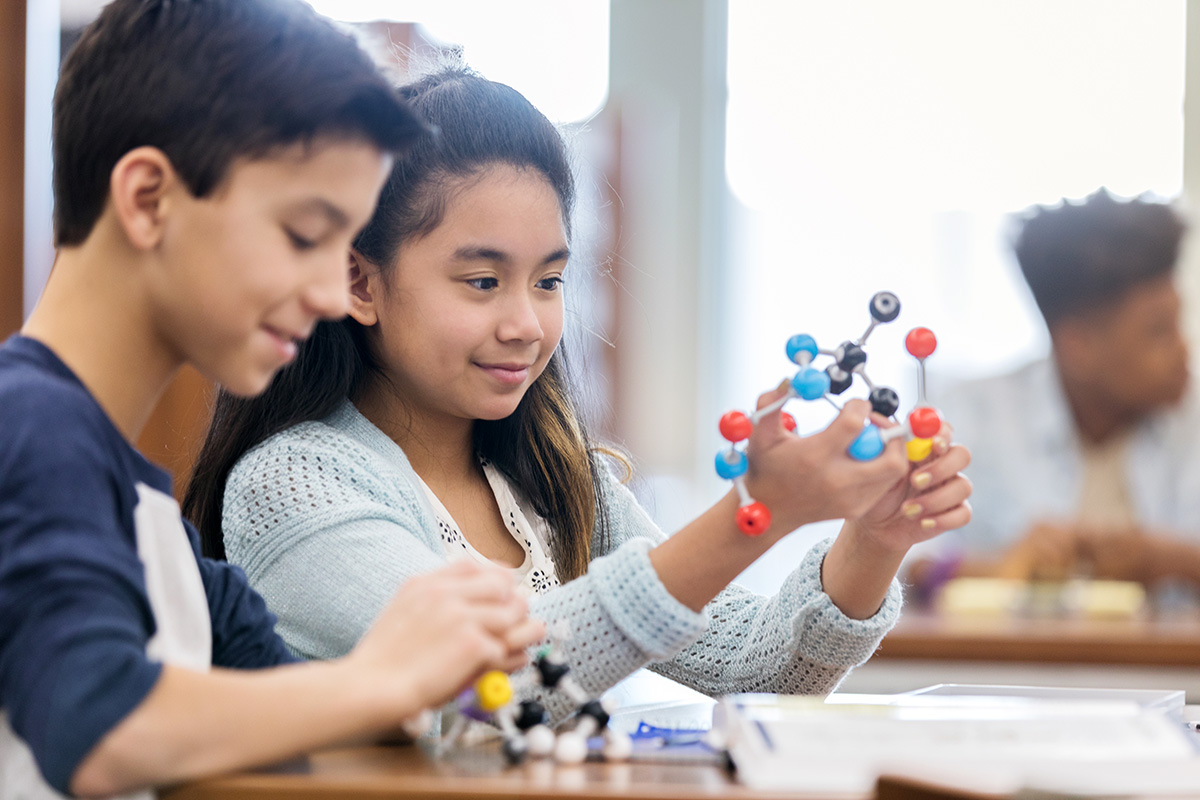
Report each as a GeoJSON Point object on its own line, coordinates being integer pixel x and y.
{"type": "Point", "coordinates": [952, 519]}
{"type": "Point", "coordinates": [772, 421]}
{"type": "Point", "coordinates": [941, 498]}
{"type": "Point", "coordinates": [773, 396]}
{"type": "Point", "coordinates": [512, 663]}
{"type": "Point", "coordinates": [526, 634]}
{"type": "Point", "coordinates": [848, 424]}
{"type": "Point", "coordinates": [939, 469]}
{"type": "Point", "coordinates": [473, 581]}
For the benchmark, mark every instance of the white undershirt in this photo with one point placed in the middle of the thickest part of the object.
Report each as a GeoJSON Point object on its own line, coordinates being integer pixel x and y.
{"type": "Point", "coordinates": [525, 525]}
{"type": "Point", "coordinates": [1105, 505]}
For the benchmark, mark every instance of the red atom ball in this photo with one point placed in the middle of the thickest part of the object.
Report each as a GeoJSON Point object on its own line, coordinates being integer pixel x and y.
{"type": "Point", "coordinates": [925, 422]}
{"type": "Point", "coordinates": [736, 426]}
{"type": "Point", "coordinates": [921, 342]}
{"type": "Point", "coordinates": [753, 519]}
{"type": "Point", "coordinates": [789, 422]}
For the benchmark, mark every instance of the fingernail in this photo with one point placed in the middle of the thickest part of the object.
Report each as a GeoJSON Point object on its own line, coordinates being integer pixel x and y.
{"type": "Point", "coordinates": [928, 524]}
{"type": "Point", "coordinates": [922, 479]}
{"type": "Point", "coordinates": [912, 510]}
{"type": "Point", "coordinates": [940, 445]}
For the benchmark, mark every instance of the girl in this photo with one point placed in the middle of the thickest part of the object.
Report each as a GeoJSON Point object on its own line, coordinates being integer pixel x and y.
{"type": "Point", "coordinates": [435, 424]}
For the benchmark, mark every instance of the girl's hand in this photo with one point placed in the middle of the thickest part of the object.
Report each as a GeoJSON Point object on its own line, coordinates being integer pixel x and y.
{"type": "Point", "coordinates": [863, 560]}
{"type": "Point", "coordinates": [441, 631]}
{"type": "Point", "coordinates": [931, 500]}
{"type": "Point", "coordinates": [811, 478]}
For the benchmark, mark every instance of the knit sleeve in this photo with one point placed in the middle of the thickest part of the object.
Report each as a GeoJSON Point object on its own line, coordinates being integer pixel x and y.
{"type": "Point", "coordinates": [326, 533]}
{"type": "Point", "coordinates": [795, 642]}
{"type": "Point", "coordinates": [620, 618]}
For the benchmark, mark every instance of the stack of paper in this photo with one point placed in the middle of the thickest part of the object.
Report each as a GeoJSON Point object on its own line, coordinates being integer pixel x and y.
{"type": "Point", "coordinates": [997, 743]}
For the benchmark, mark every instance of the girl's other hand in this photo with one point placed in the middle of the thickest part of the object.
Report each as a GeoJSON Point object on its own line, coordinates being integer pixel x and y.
{"type": "Point", "coordinates": [931, 500]}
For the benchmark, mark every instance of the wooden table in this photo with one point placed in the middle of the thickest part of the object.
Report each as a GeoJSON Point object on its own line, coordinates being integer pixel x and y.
{"type": "Point", "coordinates": [929, 636]}
{"type": "Point", "coordinates": [410, 772]}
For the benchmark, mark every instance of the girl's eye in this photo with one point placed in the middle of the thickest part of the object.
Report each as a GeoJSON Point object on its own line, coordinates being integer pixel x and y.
{"type": "Point", "coordinates": [299, 242]}
{"type": "Point", "coordinates": [550, 284]}
{"type": "Point", "coordinates": [483, 283]}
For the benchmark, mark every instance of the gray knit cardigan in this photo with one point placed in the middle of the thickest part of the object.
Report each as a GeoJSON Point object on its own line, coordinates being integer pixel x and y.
{"type": "Point", "coordinates": [327, 519]}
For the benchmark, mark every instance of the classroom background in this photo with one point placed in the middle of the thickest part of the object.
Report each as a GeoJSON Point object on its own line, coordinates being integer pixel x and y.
{"type": "Point", "coordinates": [748, 169]}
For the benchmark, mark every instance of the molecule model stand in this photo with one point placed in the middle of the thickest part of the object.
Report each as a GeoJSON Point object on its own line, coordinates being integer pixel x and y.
{"type": "Point", "coordinates": [810, 383]}
{"type": "Point", "coordinates": [523, 723]}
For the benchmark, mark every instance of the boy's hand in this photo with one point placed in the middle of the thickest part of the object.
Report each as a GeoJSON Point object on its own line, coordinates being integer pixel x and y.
{"type": "Point", "coordinates": [441, 631]}
{"type": "Point", "coordinates": [932, 499]}
{"type": "Point", "coordinates": [811, 478]}
{"type": "Point", "coordinates": [1132, 554]}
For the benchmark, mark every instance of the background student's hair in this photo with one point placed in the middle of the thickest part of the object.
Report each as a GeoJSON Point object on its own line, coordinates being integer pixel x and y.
{"type": "Point", "coordinates": [542, 446]}
{"type": "Point", "coordinates": [215, 90]}
{"type": "Point", "coordinates": [1082, 256]}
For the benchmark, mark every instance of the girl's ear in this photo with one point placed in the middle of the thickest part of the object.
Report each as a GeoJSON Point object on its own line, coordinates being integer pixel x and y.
{"type": "Point", "coordinates": [140, 188]}
{"type": "Point", "coordinates": [364, 287]}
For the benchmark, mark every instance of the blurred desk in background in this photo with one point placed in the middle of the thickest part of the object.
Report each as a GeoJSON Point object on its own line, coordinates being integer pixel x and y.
{"type": "Point", "coordinates": [926, 648]}
{"type": "Point", "coordinates": [1151, 643]}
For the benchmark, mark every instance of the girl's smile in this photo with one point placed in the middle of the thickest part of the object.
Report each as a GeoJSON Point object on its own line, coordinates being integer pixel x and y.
{"type": "Point", "coordinates": [512, 374]}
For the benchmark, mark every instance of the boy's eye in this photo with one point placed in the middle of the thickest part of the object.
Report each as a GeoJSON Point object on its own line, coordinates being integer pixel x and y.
{"type": "Point", "coordinates": [299, 242]}
{"type": "Point", "coordinates": [550, 284]}
{"type": "Point", "coordinates": [483, 283]}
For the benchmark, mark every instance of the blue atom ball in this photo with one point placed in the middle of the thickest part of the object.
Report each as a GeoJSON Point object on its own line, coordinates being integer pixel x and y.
{"type": "Point", "coordinates": [801, 342]}
{"type": "Point", "coordinates": [810, 383]}
{"type": "Point", "coordinates": [728, 470]}
{"type": "Point", "coordinates": [868, 445]}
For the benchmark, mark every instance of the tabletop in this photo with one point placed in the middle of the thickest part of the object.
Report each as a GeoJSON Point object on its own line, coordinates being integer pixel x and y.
{"type": "Point", "coordinates": [412, 771]}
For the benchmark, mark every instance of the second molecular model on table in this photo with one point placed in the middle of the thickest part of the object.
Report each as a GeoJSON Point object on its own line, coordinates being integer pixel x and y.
{"type": "Point", "coordinates": [810, 383]}
{"type": "Point", "coordinates": [522, 723]}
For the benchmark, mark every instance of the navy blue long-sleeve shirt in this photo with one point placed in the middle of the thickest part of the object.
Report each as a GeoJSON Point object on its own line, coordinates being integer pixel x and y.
{"type": "Point", "coordinates": [75, 616]}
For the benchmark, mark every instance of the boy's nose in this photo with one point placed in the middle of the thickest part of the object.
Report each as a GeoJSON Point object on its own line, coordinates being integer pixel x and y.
{"type": "Point", "coordinates": [328, 293]}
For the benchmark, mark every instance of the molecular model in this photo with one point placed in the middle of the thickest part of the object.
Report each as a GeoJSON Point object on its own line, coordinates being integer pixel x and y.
{"type": "Point", "coordinates": [523, 724]}
{"type": "Point", "coordinates": [810, 383]}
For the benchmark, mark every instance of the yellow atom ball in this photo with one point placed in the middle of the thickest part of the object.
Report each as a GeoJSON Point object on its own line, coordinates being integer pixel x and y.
{"type": "Point", "coordinates": [919, 449]}
{"type": "Point", "coordinates": [493, 690]}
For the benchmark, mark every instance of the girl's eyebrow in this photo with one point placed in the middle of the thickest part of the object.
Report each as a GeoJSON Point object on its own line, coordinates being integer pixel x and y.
{"type": "Point", "coordinates": [483, 253]}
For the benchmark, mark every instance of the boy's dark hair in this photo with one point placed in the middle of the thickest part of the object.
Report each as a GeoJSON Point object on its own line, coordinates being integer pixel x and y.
{"type": "Point", "coordinates": [1081, 256]}
{"type": "Point", "coordinates": [207, 82]}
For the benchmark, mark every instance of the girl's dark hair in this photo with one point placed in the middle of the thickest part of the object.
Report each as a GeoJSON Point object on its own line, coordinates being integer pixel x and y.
{"type": "Point", "coordinates": [542, 446]}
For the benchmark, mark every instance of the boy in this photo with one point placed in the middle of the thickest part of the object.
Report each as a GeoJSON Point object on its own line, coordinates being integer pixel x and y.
{"type": "Point", "coordinates": [213, 159]}
{"type": "Point", "coordinates": [1085, 463]}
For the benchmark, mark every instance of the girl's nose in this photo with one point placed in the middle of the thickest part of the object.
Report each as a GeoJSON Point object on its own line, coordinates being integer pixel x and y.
{"type": "Point", "coordinates": [520, 322]}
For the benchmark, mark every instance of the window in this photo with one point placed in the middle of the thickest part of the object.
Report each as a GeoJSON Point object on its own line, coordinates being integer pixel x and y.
{"type": "Point", "coordinates": [518, 42]}
{"type": "Point", "coordinates": [876, 145]}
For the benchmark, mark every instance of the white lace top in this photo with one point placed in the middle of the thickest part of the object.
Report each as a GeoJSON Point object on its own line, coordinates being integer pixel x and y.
{"type": "Point", "coordinates": [526, 526]}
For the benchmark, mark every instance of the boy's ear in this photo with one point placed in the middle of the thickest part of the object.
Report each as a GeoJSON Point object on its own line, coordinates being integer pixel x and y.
{"type": "Point", "coordinates": [364, 287]}
{"type": "Point", "coordinates": [138, 190]}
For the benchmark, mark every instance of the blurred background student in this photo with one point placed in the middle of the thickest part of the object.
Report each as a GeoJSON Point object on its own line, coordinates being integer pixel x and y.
{"type": "Point", "coordinates": [1085, 461]}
